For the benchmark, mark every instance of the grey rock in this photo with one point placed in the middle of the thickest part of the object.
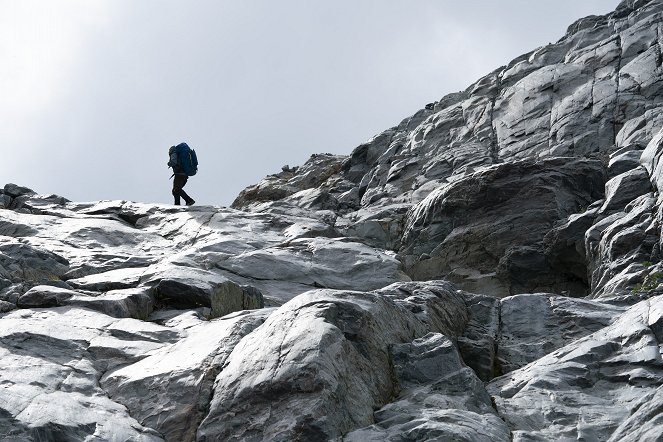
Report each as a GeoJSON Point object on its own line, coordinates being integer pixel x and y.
{"type": "Point", "coordinates": [15, 191]}
{"type": "Point", "coordinates": [317, 170]}
{"type": "Point", "coordinates": [441, 398]}
{"type": "Point", "coordinates": [45, 296]}
{"type": "Point", "coordinates": [229, 297]}
{"type": "Point", "coordinates": [624, 188]}
{"type": "Point", "coordinates": [6, 306]}
{"type": "Point", "coordinates": [25, 263]}
{"type": "Point", "coordinates": [534, 325]}
{"type": "Point", "coordinates": [618, 246]}
{"type": "Point", "coordinates": [500, 187]}
{"type": "Point", "coordinates": [646, 423]}
{"type": "Point", "coordinates": [496, 219]}
{"type": "Point", "coordinates": [5, 201]}
{"type": "Point", "coordinates": [306, 261]}
{"type": "Point", "coordinates": [591, 387]}
{"type": "Point", "coordinates": [126, 303]}
{"type": "Point", "coordinates": [184, 287]}
{"type": "Point", "coordinates": [170, 389]}
{"type": "Point", "coordinates": [564, 248]}
{"type": "Point", "coordinates": [56, 395]}
{"type": "Point", "coordinates": [623, 162]}
{"type": "Point", "coordinates": [118, 279]}
{"type": "Point", "coordinates": [478, 343]}
{"type": "Point", "coordinates": [651, 160]}
{"type": "Point", "coordinates": [378, 228]}
{"type": "Point", "coordinates": [318, 366]}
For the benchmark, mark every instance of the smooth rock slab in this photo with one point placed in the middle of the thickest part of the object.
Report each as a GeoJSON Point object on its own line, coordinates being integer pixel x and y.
{"type": "Point", "coordinates": [319, 262]}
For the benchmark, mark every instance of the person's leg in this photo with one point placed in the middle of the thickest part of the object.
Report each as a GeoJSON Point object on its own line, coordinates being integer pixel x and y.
{"type": "Point", "coordinates": [178, 183]}
{"type": "Point", "coordinates": [189, 201]}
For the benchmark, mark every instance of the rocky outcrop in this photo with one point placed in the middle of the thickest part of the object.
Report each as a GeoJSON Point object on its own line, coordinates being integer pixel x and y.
{"type": "Point", "coordinates": [595, 93]}
{"type": "Point", "coordinates": [606, 377]}
{"type": "Point", "coordinates": [320, 365]}
{"type": "Point", "coordinates": [488, 269]}
{"type": "Point", "coordinates": [486, 230]}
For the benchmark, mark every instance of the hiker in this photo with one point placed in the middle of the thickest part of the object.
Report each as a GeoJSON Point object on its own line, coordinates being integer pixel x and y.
{"type": "Point", "coordinates": [184, 162]}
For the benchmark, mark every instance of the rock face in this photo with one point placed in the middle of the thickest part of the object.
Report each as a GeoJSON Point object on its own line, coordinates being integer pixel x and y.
{"type": "Point", "coordinates": [488, 269]}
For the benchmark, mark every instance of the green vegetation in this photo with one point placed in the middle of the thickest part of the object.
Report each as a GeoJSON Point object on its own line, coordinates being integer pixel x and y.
{"type": "Point", "coordinates": [650, 282]}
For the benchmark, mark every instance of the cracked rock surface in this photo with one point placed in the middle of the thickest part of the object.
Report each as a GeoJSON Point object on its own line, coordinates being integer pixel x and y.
{"type": "Point", "coordinates": [488, 269]}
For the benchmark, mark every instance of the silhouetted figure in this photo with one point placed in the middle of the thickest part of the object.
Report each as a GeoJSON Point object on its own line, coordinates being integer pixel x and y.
{"type": "Point", "coordinates": [184, 162]}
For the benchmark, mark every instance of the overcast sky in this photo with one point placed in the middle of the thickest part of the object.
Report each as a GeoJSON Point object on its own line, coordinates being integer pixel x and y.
{"type": "Point", "coordinates": [93, 92]}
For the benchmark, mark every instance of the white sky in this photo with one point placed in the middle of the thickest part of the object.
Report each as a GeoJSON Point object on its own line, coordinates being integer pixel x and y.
{"type": "Point", "coordinates": [93, 92]}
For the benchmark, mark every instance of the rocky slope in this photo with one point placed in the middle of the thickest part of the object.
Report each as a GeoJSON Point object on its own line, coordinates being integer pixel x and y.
{"type": "Point", "coordinates": [487, 270]}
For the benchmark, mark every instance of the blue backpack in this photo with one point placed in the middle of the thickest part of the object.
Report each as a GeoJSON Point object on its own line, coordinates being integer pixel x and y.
{"type": "Point", "coordinates": [184, 158]}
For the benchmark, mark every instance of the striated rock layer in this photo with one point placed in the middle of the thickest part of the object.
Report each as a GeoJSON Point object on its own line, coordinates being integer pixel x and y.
{"type": "Point", "coordinates": [487, 270]}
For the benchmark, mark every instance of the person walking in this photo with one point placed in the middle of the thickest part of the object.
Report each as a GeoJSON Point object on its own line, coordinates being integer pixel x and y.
{"type": "Point", "coordinates": [184, 163]}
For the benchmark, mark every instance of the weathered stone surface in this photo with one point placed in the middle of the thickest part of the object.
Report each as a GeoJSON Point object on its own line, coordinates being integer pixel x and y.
{"type": "Point", "coordinates": [292, 181]}
{"type": "Point", "coordinates": [624, 188]}
{"type": "Point", "coordinates": [542, 176]}
{"type": "Point", "coordinates": [51, 362]}
{"type": "Point", "coordinates": [622, 247]}
{"type": "Point", "coordinates": [505, 334]}
{"type": "Point", "coordinates": [486, 231]}
{"type": "Point", "coordinates": [229, 297]}
{"type": "Point", "coordinates": [307, 262]}
{"type": "Point", "coordinates": [15, 191]}
{"type": "Point", "coordinates": [441, 399]}
{"type": "Point", "coordinates": [621, 162]}
{"type": "Point", "coordinates": [45, 296]}
{"type": "Point", "coordinates": [318, 366]}
{"type": "Point", "coordinates": [5, 201]}
{"type": "Point", "coordinates": [28, 265]}
{"type": "Point", "coordinates": [127, 303]}
{"type": "Point", "coordinates": [534, 325]}
{"type": "Point", "coordinates": [170, 389]}
{"type": "Point", "coordinates": [592, 388]}
{"type": "Point", "coordinates": [6, 306]}
{"type": "Point", "coordinates": [478, 343]}
{"type": "Point", "coordinates": [645, 423]}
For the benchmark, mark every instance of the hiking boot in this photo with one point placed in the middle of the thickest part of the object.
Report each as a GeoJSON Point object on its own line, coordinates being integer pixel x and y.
{"type": "Point", "coordinates": [190, 203]}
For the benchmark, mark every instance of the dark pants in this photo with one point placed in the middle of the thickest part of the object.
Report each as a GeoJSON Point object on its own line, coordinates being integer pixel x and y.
{"type": "Point", "coordinates": [178, 183]}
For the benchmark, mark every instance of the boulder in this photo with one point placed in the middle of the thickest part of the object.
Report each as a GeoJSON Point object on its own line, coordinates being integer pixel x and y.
{"type": "Point", "coordinates": [624, 188]}
{"type": "Point", "coordinates": [624, 162]}
{"type": "Point", "coordinates": [5, 201]}
{"type": "Point", "coordinates": [319, 365]}
{"type": "Point", "coordinates": [125, 303]}
{"type": "Point", "coordinates": [45, 296]}
{"type": "Point", "coordinates": [6, 306]}
{"type": "Point", "coordinates": [15, 191]}
{"type": "Point", "coordinates": [181, 287]}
